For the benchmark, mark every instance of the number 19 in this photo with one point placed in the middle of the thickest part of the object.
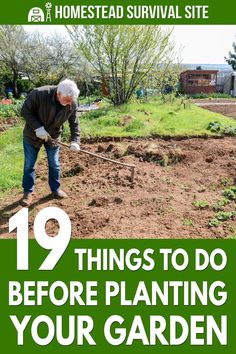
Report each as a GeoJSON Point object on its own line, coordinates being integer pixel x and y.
{"type": "Point", "coordinates": [57, 244]}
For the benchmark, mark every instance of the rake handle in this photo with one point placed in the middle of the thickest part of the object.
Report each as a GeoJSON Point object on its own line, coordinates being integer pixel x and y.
{"type": "Point", "coordinates": [131, 167]}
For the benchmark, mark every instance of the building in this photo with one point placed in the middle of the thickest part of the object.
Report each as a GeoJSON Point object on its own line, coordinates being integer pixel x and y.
{"type": "Point", "coordinates": [229, 84]}
{"type": "Point", "coordinates": [197, 81]}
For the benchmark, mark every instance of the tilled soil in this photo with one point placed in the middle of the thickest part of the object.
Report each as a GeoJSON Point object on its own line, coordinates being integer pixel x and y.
{"type": "Point", "coordinates": [169, 177]}
{"type": "Point", "coordinates": [223, 106]}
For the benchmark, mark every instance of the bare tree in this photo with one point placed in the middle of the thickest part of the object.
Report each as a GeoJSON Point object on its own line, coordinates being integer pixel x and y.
{"type": "Point", "coordinates": [165, 77]}
{"type": "Point", "coordinates": [122, 55]}
{"type": "Point", "coordinates": [49, 59]}
{"type": "Point", "coordinates": [12, 44]}
{"type": "Point", "coordinates": [43, 59]}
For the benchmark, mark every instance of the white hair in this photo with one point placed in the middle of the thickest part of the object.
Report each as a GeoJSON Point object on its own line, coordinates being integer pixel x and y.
{"type": "Point", "coordinates": [68, 88]}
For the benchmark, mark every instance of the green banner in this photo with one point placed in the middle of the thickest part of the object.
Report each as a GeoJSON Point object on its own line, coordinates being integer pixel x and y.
{"type": "Point", "coordinates": [118, 12]}
{"type": "Point", "coordinates": [133, 296]}
{"type": "Point", "coordinates": [122, 296]}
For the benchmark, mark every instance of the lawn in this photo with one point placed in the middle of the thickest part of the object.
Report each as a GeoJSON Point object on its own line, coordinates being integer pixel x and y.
{"type": "Point", "coordinates": [153, 118]}
{"type": "Point", "coordinates": [11, 159]}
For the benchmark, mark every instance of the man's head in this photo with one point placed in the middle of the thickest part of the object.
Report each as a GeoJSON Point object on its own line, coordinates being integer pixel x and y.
{"type": "Point", "coordinates": [67, 92]}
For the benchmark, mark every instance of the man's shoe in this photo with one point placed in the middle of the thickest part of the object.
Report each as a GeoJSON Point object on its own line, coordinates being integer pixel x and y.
{"type": "Point", "coordinates": [26, 199]}
{"type": "Point", "coordinates": [59, 194]}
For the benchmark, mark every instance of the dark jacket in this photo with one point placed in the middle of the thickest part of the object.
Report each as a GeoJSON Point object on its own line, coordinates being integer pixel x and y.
{"type": "Point", "coordinates": [41, 109]}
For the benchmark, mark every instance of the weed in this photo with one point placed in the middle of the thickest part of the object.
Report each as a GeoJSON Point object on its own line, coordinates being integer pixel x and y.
{"type": "Point", "coordinates": [214, 127]}
{"type": "Point", "coordinates": [225, 215]}
{"type": "Point", "coordinates": [225, 181]}
{"type": "Point", "coordinates": [187, 222]}
{"type": "Point", "coordinates": [164, 162]}
{"type": "Point", "coordinates": [217, 127]}
{"type": "Point", "coordinates": [230, 193]}
{"type": "Point", "coordinates": [201, 204]}
{"type": "Point", "coordinates": [220, 204]}
{"type": "Point", "coordinates": [214, 223]}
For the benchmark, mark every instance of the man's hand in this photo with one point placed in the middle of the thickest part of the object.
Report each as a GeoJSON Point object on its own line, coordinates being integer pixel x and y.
{"type": "Point", "coordinates": [74, 146]}
{"type": "Point", "coordinates": [41, 133]}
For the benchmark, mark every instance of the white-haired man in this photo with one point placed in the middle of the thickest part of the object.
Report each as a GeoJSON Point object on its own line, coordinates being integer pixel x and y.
{"type": "Point", "coordinates": [45, 110]}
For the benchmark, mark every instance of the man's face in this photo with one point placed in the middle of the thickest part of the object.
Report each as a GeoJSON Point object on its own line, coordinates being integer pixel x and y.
{"type": "Point", "coordinates": [64, 100]}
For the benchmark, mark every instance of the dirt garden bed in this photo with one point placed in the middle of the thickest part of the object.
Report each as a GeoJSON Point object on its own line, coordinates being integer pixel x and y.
{"type": "Point", "coordinates": [177, 184]}
{"type": "Point", "coordinates": [226, 107]}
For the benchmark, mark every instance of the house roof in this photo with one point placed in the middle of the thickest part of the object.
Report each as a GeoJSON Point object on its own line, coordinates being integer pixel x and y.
{"type": "Point", "coordinates": [200, 71]}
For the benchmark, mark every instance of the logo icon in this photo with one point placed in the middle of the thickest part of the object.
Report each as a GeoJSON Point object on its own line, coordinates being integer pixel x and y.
{"type": "Point", "coordinates": [48, 6]}
{"type": "Point", "coordinates": [36, 15]}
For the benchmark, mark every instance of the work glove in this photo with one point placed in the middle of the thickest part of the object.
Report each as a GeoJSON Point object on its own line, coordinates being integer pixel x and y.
{"type": "Point", "coordinates": [41, 133]}
{"type": "Point", "coordinates": [74, 146]}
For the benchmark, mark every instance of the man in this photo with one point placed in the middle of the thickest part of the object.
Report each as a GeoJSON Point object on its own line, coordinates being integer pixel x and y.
{"type": "Point", "coordinates": [45, 110]}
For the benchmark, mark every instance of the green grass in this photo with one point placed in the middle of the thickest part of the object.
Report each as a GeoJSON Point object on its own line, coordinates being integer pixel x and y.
{"type": "Point", "coordinates": [11, 159]}
{"type": "Point", "coordinates": [213, 95]}
{"type": "Point", "coordinates": [153, 118]}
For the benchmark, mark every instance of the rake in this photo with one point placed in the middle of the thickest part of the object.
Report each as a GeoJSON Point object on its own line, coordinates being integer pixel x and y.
{"type": "Point", "coordinates": [130, 167]}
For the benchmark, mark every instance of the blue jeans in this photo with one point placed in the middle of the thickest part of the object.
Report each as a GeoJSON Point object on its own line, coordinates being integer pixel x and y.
{"type": "Point", "coordinates": [30, 155]}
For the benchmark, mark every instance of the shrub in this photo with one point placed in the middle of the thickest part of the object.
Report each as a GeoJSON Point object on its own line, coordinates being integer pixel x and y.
{"type": "Point", "coordinates": [10, 110]}
{"type": "Point", "coordinates": [217, 127]}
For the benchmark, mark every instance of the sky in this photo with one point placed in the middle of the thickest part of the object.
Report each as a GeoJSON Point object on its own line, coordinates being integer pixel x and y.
{"type": "Point", "coordinates": [202, 44]}
{"type": "Point", "coordinates": [205, 44]}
